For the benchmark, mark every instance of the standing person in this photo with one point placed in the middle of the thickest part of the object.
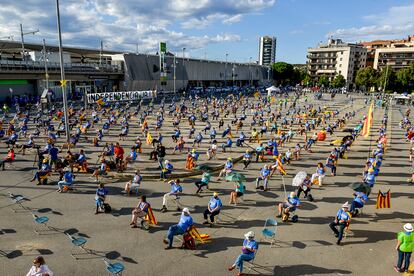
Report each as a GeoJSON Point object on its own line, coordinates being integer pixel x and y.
{"type": "Point", "coordinates": [342, 219]}
{"type": "Point", "coordinates": [39, 268]}
{"type": "Point", "coordinates": [100, 197]}
{"type": "Point", "coordinates": [213, 208]}
{"type": "Point", "coordinates": [405, 246]}
{"type": "Point", "coordinates": [249, 250]}
{"type": "Point", "coordinates": [140, 211]}
{"type": "Point", "coordinates": [178, 229]}
{"type": "Point", "coordinates": [119, 157]}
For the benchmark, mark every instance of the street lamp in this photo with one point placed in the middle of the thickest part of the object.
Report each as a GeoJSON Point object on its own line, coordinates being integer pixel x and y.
{"type": "Point", "coordinates": [250, 71]}
{"type": "Point", "coordinates": [22, 36]}
{"type": "Point", "coordinates": [175, 77]}
{"type": "Point", "coordinates": [45, 61]}
{"type": "Point", "coordinates": [62, 73]}
{"type": "Point", "coordinates": [225, 71]}
{"type": "Point", "coordinates": [183, 69]}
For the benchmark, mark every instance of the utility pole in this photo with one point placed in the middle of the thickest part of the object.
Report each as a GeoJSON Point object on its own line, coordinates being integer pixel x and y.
{"type": "Point", "coordinates": [45, 61]}
{"type": "Point", "coordinates": [100, 54]}
{"type": "Point", "coordinates": [22, 36]}
{"type": "Point", "coordinates": [250, 71]}
{"type": "Point", "coordinates": [62, 74]}
{"type": "Point", "coordinates": [225, 71]}
{"type": "Point", "coordinates": [183, 69]}
{"type": "Point", "coordinates": [174, 72]}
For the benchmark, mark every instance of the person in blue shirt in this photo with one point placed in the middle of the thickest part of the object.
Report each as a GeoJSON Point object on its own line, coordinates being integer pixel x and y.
{"type": "Point", "coordinates": [176, 135]}
{"type": "Point", "coordinates": [67, 180]}
{"type": "Point", "coordinates": [166, 170]}
{"type": "Point", "coordinates": [198, 139]}
{"type": "Point", "coordinates": [186, 221]}
{"type": "Point", "coordinates": [53, 152]}
{"type": "Point", "coordinates": [249, 249]}
{"type": "Point", "coordinates": [228, 144]}
{"type": "Point", "coordinates": [290, 204]}
{"type": "Point", "coordinates": [173, 195]}
{"type": "Point", "coordinates": [140, 211]}
{"type": "Point", "coordinates": [241, 140]}
{"type": "Point", "coordinates": [247, 159]}
{"type": "Point", "coordinates": [213, 134]}
{"type": "Point", "coordinates": [44, 170]}
{"type": "Point", "coordinates": [100, 197]}
{"type": "Point", "coordinates": [369, 178]}
{"type": "Point", "coordinates": [264, 175]}
{"type": "Point", "coordinates": [342, 219]}
{"type": "Point", "coordinates": [359, 201]}
{"type": "Point", "coordinates": [213, 208]}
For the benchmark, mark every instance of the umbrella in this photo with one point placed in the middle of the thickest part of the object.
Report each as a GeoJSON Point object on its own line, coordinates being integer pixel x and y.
{"type": "Point", "coordinates": [236, 177]}
{"type": "Point", "coordinates": [298, 179]}
{"type": "Point", "coordinates": [204, 167]}
{"type": "Point", "coordinates": [360, 187]}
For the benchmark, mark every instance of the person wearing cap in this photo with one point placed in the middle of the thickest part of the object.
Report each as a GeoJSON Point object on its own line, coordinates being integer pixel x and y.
{"type": "Point", "coordinates": [67, 180]}
{"type": "Point", "coordinates": [247, 159]}
{"type": "Point", "coordinates": [179, 229]}
{"type": "Point", "coordinates": [291, 203]}
{"type": "Point", "coordinates": [213, 208]}
{"type": "Point", "coordinates": [342, 219]}
{"type": "Point", "coordinates": [173, 195]}
{"type": "Point", "coordinates": [228, 167]}
{"type": "Point", "coordinates": [405, 246]}
{"type": "Point", "coordinates": [166, 170]}
{"type": "Point", "coordinates": [134, 183]}
{"type": "Point", "coordinates": [44, 170]}
{"type": "Point", "coordinates": [249, 249]}
{"type": "Point", "coordinates": [370, 177]}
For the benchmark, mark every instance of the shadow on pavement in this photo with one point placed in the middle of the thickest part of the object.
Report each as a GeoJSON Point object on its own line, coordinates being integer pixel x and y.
{"type": "Point", "coordinates": [304, 269]}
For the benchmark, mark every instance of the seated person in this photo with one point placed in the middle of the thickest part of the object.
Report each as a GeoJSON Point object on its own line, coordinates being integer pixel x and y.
{"type": "Point", "coordinates": [239, 192]}
{"type": "Point", "coordinates": [247, 159]}
{"type": "Point", "coordinates": [44, 170]}
{"type": "Point", "coordinates": [134, 183]}
{"type": "Point", "coordinates": [140, 211]}
{"type": "Point", "coordinates": [290, 204]}
{"type": "Point", "coordinates": [228, 168]}
{"type": "Point", "coordinates": [249, 249]}
{"type": "Point", "coordinates": [173, 195]}
{"type": "Point", "coordinates": [67, 180]}
{"type": "Point", "coordinates": [166, 170]}
{"type": "Point", "coordinates": [100, 197]}
{"type": "Point", "coordinates": [8, 159]}
{"type": "Point", "coordinates": [205, 179]}
{"type": "Point", "coordinates": [213, 208]}
{"type": "Point", "coordinates": [212, 150]}
{"type": "Point", "coordinates": [179, 229]}
{"type": "Point", "coordinates": [359, 201]}
{"type": "Point", "coordinates": [228, 144]}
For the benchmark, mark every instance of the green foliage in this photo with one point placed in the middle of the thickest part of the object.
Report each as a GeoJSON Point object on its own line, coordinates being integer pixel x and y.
{"type": "Point", "coordinates": [366, 77]}
{"type": "Point", "coordinates": [323, 81]}
{"type": "Point", "coordinates": [283, 72]}
{"type": "Point", "coordinates": [387, 78]}
{"type": "Point", "coordinates": [338, 82]}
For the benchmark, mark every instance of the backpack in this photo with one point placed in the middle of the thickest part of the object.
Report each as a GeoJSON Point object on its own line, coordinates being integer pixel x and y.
{"type": "Point", "coordinates": [107, 208]}
{"type": "Point", "coordinates": [188, 242]}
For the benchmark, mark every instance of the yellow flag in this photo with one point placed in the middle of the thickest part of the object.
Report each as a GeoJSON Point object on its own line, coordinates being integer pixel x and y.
{"type": "Point", "coordinates": [273, 99]}
{"type": "Point", "coordinates": [256, 94]}
{"type": "Point", "coordinates": [366, 130]}
{"type": "Point", "coordinates": [149, 138]}
{"type": "Point", "coordinates": [63, 83]}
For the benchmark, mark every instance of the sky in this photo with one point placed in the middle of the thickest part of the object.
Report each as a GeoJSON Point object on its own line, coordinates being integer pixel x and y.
{"type": "Point", "coordinates": [208, 28]}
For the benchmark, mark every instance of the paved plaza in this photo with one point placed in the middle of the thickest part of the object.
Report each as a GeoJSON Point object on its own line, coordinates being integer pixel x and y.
{"type": "Point", "coordinates": [307, 247]}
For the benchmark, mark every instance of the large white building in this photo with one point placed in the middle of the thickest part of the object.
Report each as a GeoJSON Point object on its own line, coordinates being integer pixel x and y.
{"type": "Point", "coordinates": [267, 50]}
{"type": "Point", "coordinates": [336, 58]}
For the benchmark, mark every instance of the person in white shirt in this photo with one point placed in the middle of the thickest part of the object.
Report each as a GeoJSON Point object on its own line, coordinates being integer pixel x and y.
{"type": "Point", "coordinates": [39, 268]}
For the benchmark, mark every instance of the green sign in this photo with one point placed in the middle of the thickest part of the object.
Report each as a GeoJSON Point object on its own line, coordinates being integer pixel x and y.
{"type": "Point", "coordinates": [163, 47]}
{"type": "Point", "coordinates": [13, 82]}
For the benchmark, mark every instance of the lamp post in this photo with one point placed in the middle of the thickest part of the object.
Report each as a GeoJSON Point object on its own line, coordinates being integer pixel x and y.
{"type": "Point", "coordinates": [250, 71]}
{"type": "Point", "coordinates": [174, 65]}
{"type": "Point", "coordinates": [225, 71]}
{"type": "Point", "coordinates": [183, 69]}
{"type": "Point", "coordinates": [22, 36]}
{"type": "Point", "coordinates": [45, 61]}
{"type": "Point", "coordinates": [62, 73]}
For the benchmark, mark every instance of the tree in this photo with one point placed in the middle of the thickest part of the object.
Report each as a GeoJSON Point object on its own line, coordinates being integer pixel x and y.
{"type": "Point", "coordinates": [338, 82]}
{"type": "Point", "coordinates": [405, 77]}
{"type": "Point", "coordinates": [307, 80]}
{"type": "Point", "coordinates": [387, 78]}
{"type": "Point", "coordinates": [282, 72]}
{"type": "Point", "coordinates": [323, 81]}
{"type": "Point", "coordinates": [366, 77]}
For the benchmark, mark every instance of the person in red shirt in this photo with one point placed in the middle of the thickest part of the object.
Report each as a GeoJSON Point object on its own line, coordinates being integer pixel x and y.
{"type": "Point", "coordinates": [119, 156]}
{"type": "Point", "coordinates": [9, 158]}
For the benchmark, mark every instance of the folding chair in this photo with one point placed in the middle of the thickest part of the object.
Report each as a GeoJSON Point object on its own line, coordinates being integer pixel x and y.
{"type": "Point", "coordinates": [40, 221]}
{"type": "Point", "coordinates": [269, 231]}
{"type": "Point", "coordinates": [114, 268]}
{"type": "Point", "coordinates": [251, 265]}
{"type": "Point", "coordinates": [77, 243]}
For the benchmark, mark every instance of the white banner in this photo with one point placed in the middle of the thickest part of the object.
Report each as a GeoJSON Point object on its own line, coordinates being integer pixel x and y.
{"type": "Point", "coordinates": [121, 96]}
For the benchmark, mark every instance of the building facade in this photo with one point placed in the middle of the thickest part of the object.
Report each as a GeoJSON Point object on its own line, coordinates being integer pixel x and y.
{"type": "Point", "coordinates": [336, 58]}
{"type": "Point", "coordinates": [267, 50]}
